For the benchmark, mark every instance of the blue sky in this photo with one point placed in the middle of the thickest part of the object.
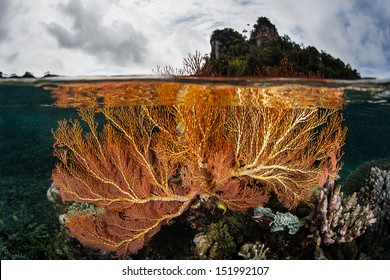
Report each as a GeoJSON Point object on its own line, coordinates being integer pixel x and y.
{"type": "Point", "coordinates": [86, 37]}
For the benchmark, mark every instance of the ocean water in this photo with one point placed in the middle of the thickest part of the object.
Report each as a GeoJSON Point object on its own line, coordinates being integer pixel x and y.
{"type": "Point", "coordinates": [31, 109]}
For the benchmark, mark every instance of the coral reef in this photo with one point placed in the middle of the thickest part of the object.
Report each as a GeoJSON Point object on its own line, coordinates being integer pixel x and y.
{"type": "Point", "coordinates": [147, 165]}
{"type": "Point", "coordinates": [280, 221]}
{"type": "Point", "coordinates": [338, 219]}
{"type": "Point", "coordinates": [359, 178]}
{"type": "Point", "coordinates": [222, 239]}
{"type": "Point", "coordinates": [377, 191]}
{"type": "Point", "coordinates": [253, 251]}
{"type": "Point", "coordinates": [370, 181]}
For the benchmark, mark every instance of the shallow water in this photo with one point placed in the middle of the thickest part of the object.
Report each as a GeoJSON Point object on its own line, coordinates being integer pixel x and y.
{"type": "Point", "coordinates": [29, 111]}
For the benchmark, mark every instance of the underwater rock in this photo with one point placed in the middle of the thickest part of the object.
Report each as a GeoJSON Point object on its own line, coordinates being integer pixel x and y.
{"type": "Point", "coordinates": [222, 239]}
{"type": "Point", "coordinates": [216, 244]}
{"type": "Point", "coordinates": [53, 196]}
{"type": "Point", "coordinates": [203, 212]}
{"type": "Point", "coordinates": [67, 247]}
{"type": "Point", "coordinates": [360, 177]}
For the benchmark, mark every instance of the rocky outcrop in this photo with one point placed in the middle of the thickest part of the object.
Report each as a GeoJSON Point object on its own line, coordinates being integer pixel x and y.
{"type": "Point", "coordinates": [215, 48]}
{"type": "Point", "coordinates": [222, 40]}
{"type": "Point", "coordinates": [263, 31]}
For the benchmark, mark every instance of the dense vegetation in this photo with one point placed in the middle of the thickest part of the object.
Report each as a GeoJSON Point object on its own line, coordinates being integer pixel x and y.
{"type": "Point", "coordinates": [265, 53]}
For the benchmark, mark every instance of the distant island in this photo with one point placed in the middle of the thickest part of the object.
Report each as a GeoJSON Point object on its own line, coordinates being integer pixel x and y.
{"type": "Point", "coordinates": [26, 75]}
{"type": "Point", "coordinates": [266, 53]}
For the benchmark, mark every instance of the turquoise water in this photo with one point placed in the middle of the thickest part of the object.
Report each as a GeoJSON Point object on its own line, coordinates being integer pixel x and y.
{"type": "Point", "coordinates": [367, 116]}
{"type": "Point", "coordinates": [25, 169]}
{"type": "Point", "coordinates": [28, 227]}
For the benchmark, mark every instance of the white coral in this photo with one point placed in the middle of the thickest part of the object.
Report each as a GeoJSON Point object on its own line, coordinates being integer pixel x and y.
{"type": "Point", "coordinates": [378, 188]}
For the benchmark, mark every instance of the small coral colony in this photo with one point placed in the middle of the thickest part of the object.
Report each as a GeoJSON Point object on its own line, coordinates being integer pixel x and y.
{"type": "Point", "coordinates": [230, 159]}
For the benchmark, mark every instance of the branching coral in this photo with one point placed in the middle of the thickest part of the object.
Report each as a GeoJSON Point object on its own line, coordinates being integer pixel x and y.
{"type": "Point", "coordinates": [338, 219]}
{"type": "Point", "coordinates": [283, 152]}
{"type": "Point", "coordinates": [377, 191]}
{"type": "Point", "coordinates": [253, 251]}
{"type": "Point", "coordinates": [117, 172]}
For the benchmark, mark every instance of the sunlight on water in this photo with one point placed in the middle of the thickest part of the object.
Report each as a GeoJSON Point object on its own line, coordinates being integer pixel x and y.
{"type": "Point", "coordinates": [114, 94]}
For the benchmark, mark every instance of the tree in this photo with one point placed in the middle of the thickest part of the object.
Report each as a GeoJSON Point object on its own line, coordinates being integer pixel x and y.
{"type": "Point", "coordinates": [193, 65]}
{"type": "Point", "coordinates": [28, 75]}
{"type": "Point", "coordinates": [223, 43]}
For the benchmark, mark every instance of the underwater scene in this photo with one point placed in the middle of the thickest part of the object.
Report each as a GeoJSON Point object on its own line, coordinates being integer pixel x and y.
{"type": "Point", "coordinates": [165, 168]}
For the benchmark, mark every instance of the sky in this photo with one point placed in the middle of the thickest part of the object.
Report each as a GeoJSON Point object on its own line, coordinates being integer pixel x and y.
{"type": "Point", "coordinates": [119, 37]}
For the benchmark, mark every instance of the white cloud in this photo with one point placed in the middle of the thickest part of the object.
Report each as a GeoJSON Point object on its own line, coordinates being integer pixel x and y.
{"type": "Point", "coordinates": [4, 8]}
{"type": "Point", "coordinates": [121, 37]}
{"type": "Point", "coordinates": [117, 42]}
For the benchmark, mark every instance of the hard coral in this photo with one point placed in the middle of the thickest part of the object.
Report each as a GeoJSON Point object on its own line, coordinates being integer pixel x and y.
{"type": "Point", "coordinates": [338, 219]}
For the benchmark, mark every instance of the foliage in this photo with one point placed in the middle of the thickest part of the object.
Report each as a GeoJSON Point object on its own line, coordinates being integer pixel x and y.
{"type": "Point", "coordinates": [228, 46]}
{"type": "Point", "coordinates": [230, 41]}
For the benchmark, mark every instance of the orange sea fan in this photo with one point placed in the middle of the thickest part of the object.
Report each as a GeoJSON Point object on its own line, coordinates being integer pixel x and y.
{"type": "Point", "coordinates": [117, 172]}
{"type": "Point", "coordinates": [147, 164]}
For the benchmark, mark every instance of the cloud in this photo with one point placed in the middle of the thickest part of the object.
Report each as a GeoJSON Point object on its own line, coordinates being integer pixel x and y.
{"type": "Point", "coordinates": [363, 36]}
{"type": "Point", "coordinates": [117, 42]}
{"type": "Point", "coordinates": [5, 7]}
{"type": "Point", "coordinates": [12, 57]}
{"type": "Point", "coordinates": [246, 2]}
